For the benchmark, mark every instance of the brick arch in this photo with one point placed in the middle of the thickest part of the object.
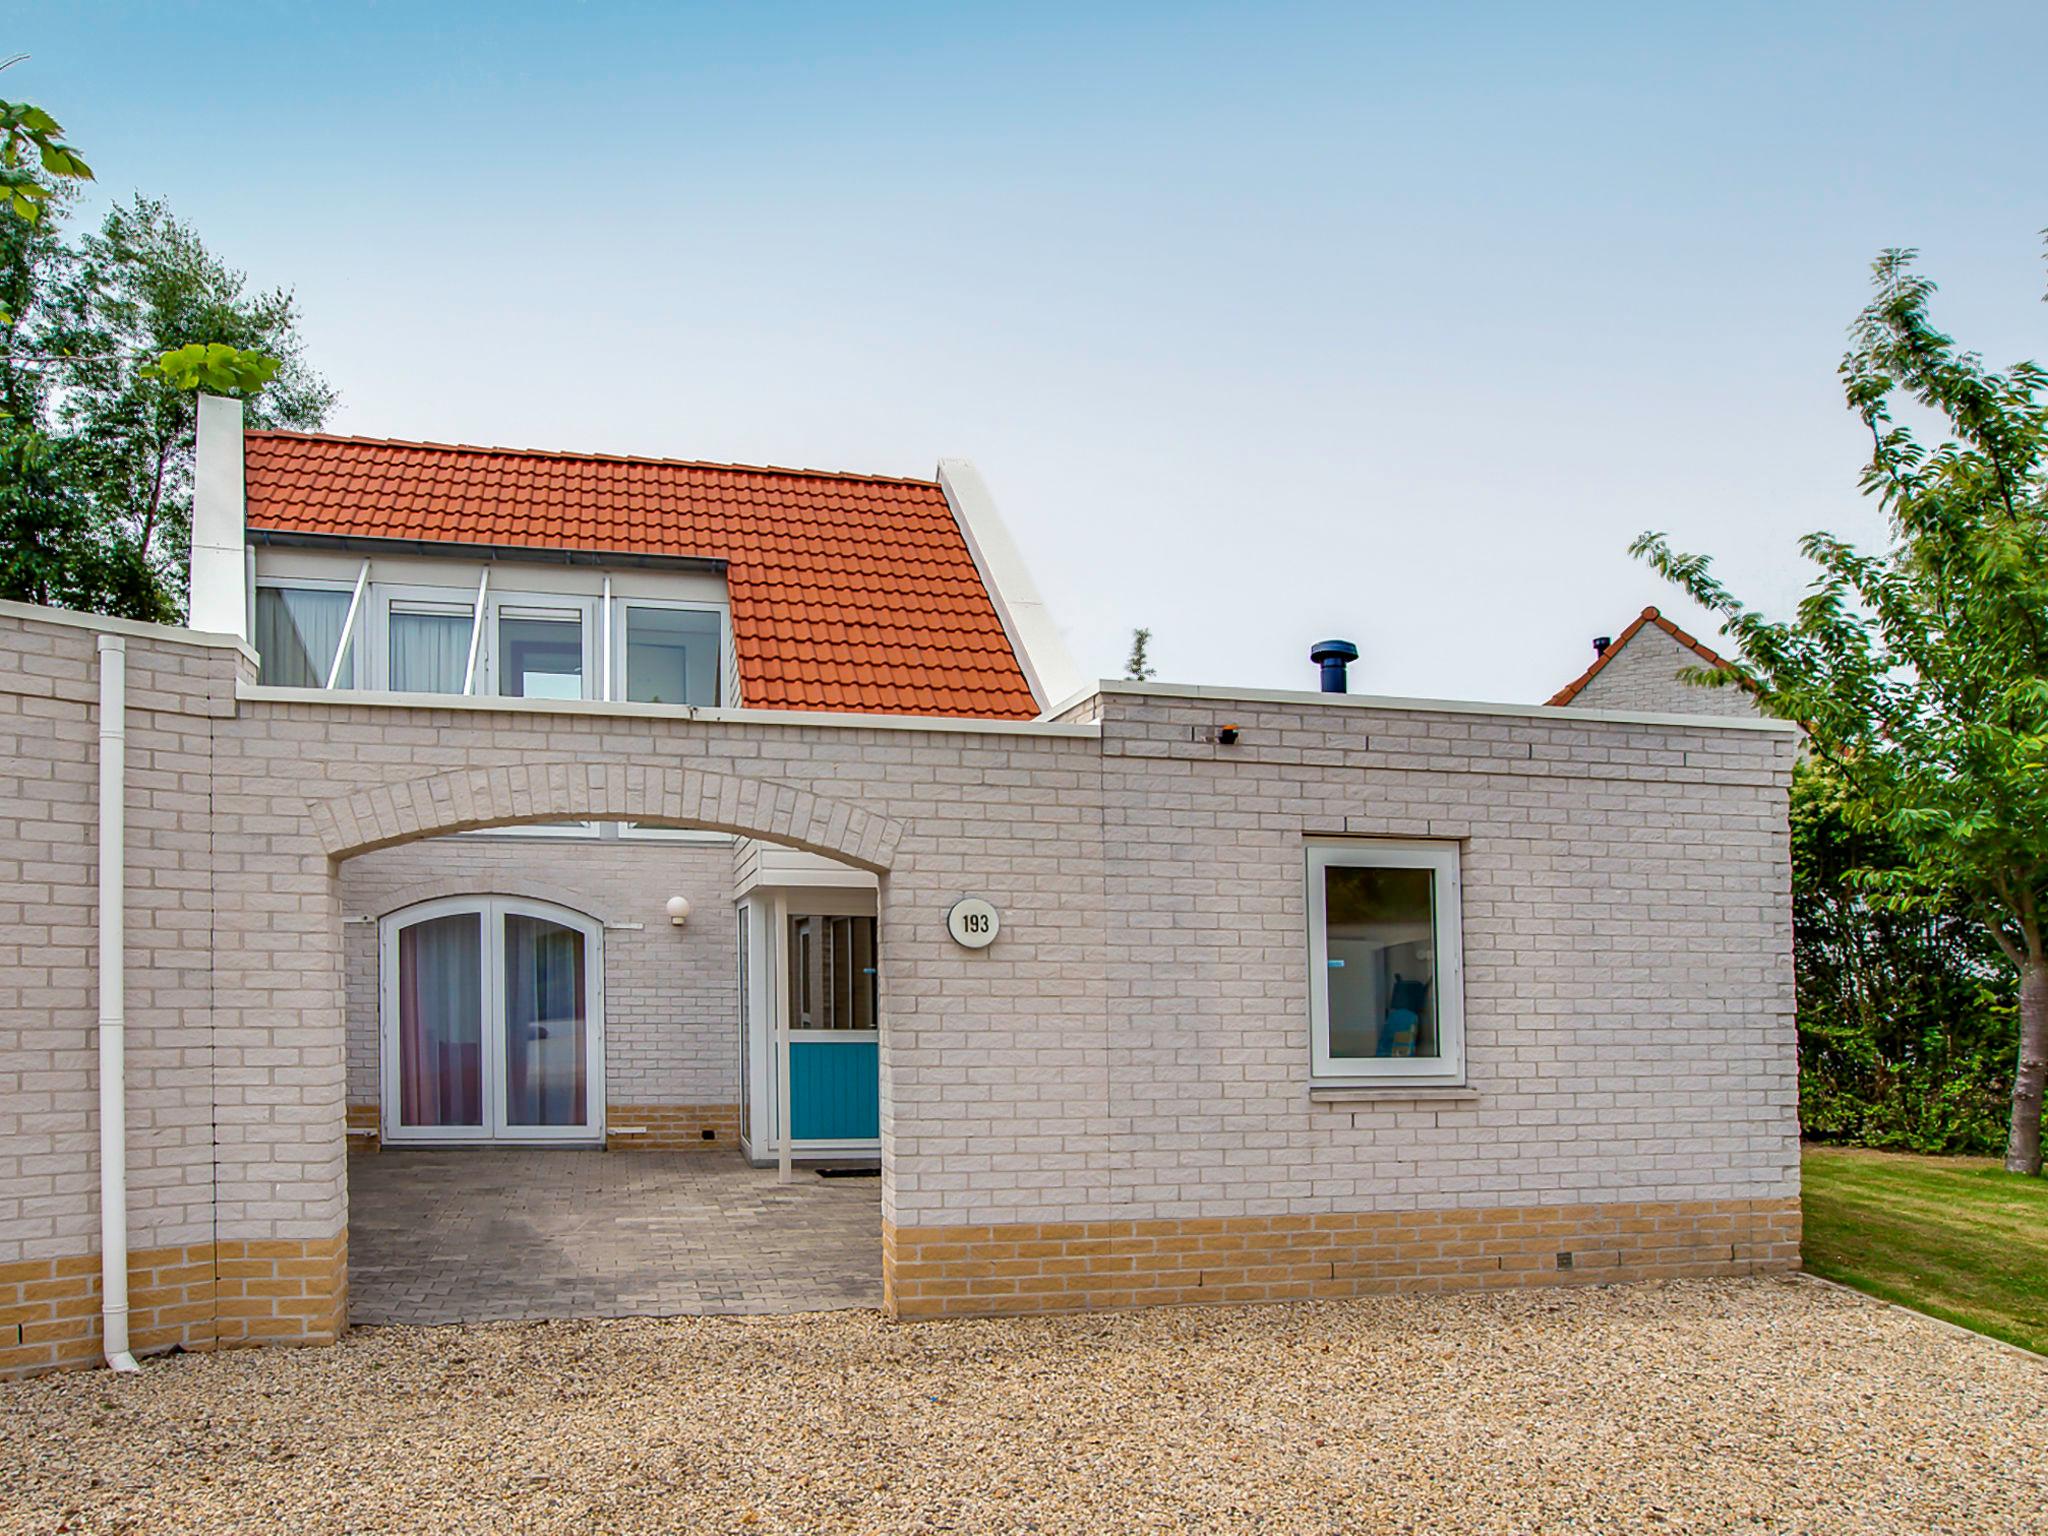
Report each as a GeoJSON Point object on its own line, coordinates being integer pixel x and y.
{"type": "Point", "coordinates": [461, 800]}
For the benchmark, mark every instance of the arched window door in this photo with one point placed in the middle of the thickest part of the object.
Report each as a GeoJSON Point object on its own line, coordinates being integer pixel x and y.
{"type": "Point", "coordinates": [491, 1022]}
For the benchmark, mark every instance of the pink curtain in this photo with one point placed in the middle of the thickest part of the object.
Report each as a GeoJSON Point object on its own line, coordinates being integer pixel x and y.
{"type": "Point", "coordinates": [440, 1025]}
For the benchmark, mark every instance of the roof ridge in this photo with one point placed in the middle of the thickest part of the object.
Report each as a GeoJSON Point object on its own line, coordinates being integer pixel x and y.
{"type": "Point", "coordinates": [589, 457]}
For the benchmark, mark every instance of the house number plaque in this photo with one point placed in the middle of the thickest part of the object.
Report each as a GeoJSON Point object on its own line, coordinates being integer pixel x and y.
{"type": "Point", "coordinates": [973, 922]}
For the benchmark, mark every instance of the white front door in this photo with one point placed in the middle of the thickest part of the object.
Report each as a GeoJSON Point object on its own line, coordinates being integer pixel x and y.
{"type": "Point", "coordinates": [492, 1022]}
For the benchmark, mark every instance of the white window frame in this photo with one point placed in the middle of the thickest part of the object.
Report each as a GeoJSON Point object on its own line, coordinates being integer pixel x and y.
{"type": "Point", "coordinates": [408, 598]}
{"type": "Point", "coordinates": [536, 605]}
{"type": "Point", "coordinates": [352, 641]}
{"type": "Point", "coordinates": [492, 911]}
{"type": "Point", "coordinates": [1446, 1070]}
{"type": "Point", "coordinates": [618, 637]}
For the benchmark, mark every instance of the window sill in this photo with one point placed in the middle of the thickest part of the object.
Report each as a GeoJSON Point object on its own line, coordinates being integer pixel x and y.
{"type": "Point", "coordinates": [1390, 1093]}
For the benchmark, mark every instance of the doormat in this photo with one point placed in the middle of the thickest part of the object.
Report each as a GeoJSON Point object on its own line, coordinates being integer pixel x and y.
{"type": "Point", "coordinates": [856, 1171]}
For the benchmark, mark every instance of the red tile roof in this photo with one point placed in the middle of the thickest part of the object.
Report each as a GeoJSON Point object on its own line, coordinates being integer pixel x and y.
{"type": "Point", "coordinates": [848, 592]}
{"type": "Point", "coordinates": [1577, 686]}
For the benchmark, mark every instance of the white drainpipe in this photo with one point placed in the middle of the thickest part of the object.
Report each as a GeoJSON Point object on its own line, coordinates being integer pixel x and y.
{"type": "Point", "coordinates": [113, 1002]}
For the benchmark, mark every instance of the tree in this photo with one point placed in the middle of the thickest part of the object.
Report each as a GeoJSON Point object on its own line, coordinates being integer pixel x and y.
{"type": "Point", "coordinates": [1905, 1017]}
{"type": "Point", "coordinates": [150, 315]}
{"type": "Point", "coordinates": [1921, 672]}
{"type": "Point", "coordinates": [1138, 668]}
{"type": "Point", "coordinates": [104, 348]}
{"type": "Point", "coordinates": [47, 553]}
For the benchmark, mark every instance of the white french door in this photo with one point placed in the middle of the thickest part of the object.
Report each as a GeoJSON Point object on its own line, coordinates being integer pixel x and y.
{"type": "Point", "coordinates": [491, 1022]}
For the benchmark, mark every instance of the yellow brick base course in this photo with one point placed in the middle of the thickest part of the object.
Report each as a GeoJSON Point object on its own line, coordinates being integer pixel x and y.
{"type": "Point", "coordinates": [365, 1129]}
{"type": "Point", "coordinates": [214, 1295]}
{"type": "Point", "coordinates": [672, 1127]}
{"type": "Point", "coordinates": [1079, 1266]}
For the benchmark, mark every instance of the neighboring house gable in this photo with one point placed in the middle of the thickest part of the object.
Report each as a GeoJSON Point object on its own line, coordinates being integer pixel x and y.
{"type": "Point", "coordinates": [1639, 670]}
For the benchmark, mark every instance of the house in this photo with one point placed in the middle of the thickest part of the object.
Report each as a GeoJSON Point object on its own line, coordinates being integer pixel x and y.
{"type": "Point", "coordinates": [516, 797]}
{"type": "Point", "coordinates": [1641, 668]}
{"type": "Point", "coordinates": [424, 569]}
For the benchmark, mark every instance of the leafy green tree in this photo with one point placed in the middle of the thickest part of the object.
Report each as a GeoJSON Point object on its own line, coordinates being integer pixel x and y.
{"type": "Point", "coordinates": [1921, 671]}
{"type": "Point", "coordinates": [149, 315]}
{"type": "Point", "coordinates": [104, 348]}
{"type": "Point", "coordinates": [29, 133]}
{"type": "Point", "coordinates": [47, 554]}
{"type": "Point", "coordinates": [1905, 1016]}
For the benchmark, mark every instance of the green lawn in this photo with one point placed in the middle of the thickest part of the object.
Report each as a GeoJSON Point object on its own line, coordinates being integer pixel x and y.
{"type": "Point", "coordinates": [1955, 1237]}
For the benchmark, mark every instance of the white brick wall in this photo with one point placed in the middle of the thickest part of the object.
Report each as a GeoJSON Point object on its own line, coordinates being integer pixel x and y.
{"type": "Point", "coordinates": [671, 1011]}
{"type": "Point", "coordinates": [1643, 676]}
{"type": "Point", "coordinates": [1135, 1044]}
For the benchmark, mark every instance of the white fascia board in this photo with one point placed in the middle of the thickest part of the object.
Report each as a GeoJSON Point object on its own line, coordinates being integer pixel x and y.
{"type": "Point", "coordinates": [1034, 637]}
{"type": "Point", "coordinates": [220, 560]}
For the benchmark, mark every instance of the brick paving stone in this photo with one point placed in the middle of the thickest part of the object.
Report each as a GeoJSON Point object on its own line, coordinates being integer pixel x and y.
{"type": "Point", "coordinates": [507, 1233]}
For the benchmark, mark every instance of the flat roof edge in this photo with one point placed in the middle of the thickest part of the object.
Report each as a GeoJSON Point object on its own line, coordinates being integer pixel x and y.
{"type": "Point", "coordinates": [139, 629]}
{"type": "Point", "coordinates": [343, 698]}
{"type": "Point", "coordinates": [1552, 712]}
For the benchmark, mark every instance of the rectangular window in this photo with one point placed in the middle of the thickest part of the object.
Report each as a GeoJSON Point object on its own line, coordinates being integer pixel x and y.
{"type": "Point", "coordinates": [540, 657]}
{"type": "Point", "coordinates": [671, 655]}
{"type": "Point", "coordinates": [832, 980]}
{"type": "Point", "coordinates": [1386, 967]}
{"type": "Point", "coordinates": [429, 648]}
{"type": "Point", "coordinates": [297, 629]}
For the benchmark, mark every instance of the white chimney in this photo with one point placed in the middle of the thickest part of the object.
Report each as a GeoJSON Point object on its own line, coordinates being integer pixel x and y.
{"type": "Point", "coordinates": [220, 569]}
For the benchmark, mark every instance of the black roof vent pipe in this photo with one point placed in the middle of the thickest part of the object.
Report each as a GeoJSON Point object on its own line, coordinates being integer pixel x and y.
{"type": "Point", "coordinates": [1600, 644]}
{"type": "Point", "coordinates": [1333, 656]}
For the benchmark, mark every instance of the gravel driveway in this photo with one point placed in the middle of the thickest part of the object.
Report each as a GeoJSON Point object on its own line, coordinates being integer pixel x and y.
{"type": "Point", "coordinates": [1766, 1405]}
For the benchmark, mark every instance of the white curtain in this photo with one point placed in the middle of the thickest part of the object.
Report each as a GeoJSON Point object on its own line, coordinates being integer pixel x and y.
{"type": "Point", "coordinates": [429, 652]}
{"type": "Point", "coordinates": [546, 1024]}
{"type": "Point", "coordinates": [297, 629]}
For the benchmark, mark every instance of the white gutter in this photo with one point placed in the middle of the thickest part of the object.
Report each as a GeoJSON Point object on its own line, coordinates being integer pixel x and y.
{"type": "Point", "coordinates": [113, 806]}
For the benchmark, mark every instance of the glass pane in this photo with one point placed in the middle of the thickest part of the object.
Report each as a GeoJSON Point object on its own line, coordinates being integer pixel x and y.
{"type": "Point", "coordinates": [540, 658]}
{"type": "Point", "coordinates": [1382, 963]}
{"type": "Point", "coordinates": [832, 972]}
{"type": "Point", "coordinates": [440, 1021]}
{"type": "Point", "coordinates": [547, 1026]}
{"type": "Point", "coordinates": [429, 652]}
{"type": "Point", "coordinates": [671, 656]}
{"type": "Point", "coordinates": [297, 630]}
{"type": "Point", "coordinates": [803, 963]}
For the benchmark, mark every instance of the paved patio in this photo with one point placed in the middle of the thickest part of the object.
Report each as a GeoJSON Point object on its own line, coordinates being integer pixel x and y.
{"type": "Point", "coordinates": [494, 1234]}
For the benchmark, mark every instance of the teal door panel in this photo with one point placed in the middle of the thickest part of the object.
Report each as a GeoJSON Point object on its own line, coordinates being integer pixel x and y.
{"type": "Point", "coordinates": [835, 1090]}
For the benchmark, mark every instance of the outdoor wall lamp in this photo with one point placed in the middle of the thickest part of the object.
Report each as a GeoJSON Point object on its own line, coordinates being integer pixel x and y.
{"type": "Point", "coordinates": [678, 910]}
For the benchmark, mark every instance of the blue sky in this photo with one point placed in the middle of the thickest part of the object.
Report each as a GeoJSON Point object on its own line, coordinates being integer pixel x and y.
{"type": "Point", "coordinates": [1265, 323]}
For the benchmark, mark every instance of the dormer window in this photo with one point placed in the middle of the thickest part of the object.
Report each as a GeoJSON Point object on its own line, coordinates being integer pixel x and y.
{"type": "Point", "coordinates": [428, 646]}
{"type": "Point", "coordinates": [540, 653]}
{"type": "Point", "coordinates": [669, 654]}
{"type": "Point", "coordinates": [297, 630]}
